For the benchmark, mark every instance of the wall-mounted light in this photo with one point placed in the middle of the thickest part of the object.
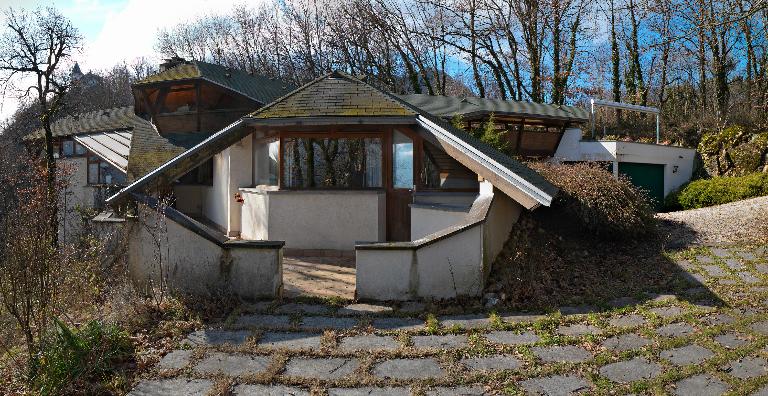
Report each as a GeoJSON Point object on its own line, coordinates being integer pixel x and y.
{"type": "Point", "coordinates": [674, 169]}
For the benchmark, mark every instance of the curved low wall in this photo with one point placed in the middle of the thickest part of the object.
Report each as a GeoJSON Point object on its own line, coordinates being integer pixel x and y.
{"type": "Point", "coordinates": [197, 260]}
{"type": "Point", "coordinates": [446, 264]}
{"type": "Point", "coordinates": [302, 218]}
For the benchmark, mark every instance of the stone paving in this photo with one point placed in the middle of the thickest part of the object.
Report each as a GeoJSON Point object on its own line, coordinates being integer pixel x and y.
{"type": "Point", "coordinates": [702, 337]}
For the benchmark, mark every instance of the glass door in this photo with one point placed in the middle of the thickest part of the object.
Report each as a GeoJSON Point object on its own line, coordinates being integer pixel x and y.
{"type": "Point", "coordinates": [400, 194]}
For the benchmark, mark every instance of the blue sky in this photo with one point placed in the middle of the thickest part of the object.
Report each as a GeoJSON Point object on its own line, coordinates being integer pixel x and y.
{"type": "Point", "coordinates": [117, 31]}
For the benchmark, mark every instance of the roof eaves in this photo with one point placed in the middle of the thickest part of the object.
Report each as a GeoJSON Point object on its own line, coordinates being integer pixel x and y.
{"type": "Point", "coordinates": [103, 157]}
{"type": "Point", "coordinates": [286, 96]}
{"type": "Point", "coordinates": [535, 192]}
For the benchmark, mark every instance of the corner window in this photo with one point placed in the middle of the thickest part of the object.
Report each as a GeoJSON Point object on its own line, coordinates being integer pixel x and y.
{"type": "Point", "coordinates": [402, 161]}
{"type": "Point", "coordinates": [79, 149]}
{"type": "Point", "coordinates": [266, 162]}
{"type": "Point", "coordinates": [349, 162]}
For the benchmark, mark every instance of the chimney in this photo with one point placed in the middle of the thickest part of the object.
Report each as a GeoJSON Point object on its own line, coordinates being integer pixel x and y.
{"type": "Point", "coordinates": [172, 62]}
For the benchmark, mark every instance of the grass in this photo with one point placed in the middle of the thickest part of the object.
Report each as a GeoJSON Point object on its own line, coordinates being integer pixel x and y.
{"type": "Point", "coordinates": [734, 302]}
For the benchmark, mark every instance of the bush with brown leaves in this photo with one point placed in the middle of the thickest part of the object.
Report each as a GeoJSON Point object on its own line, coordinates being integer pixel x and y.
{"type": "Point", "coordinates": [592, 202]}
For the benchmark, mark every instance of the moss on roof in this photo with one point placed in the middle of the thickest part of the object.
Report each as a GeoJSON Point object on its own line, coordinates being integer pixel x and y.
{"type": "Point", "coordinates": [334, 95]}
{"type": "Point", "coordinates": [93, 121]}
{"type": "Point", "coordinates": [257, 87]}
{"type": "Point", "coordinates": [448, 106]}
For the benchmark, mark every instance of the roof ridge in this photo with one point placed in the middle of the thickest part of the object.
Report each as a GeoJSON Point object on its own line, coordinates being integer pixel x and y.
{"type": "Point", "coordinates": [286, 96]}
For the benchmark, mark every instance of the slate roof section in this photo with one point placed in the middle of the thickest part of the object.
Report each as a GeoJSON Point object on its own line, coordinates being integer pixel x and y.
{"type": "Point", "coordinates": [448, 106]}
{"type": "Point", "coordinates": [114, 119]}
{"type": "Point", "coordinates": [150, 150]}
{"type": "Point", "coordinates": [337, 92]}
{"type": "Point", "coordinates": [257, 87]}
{"type": "Point", "coordinates": [113, 147]}
{"type": "Point", "coordinates": [334, 96]}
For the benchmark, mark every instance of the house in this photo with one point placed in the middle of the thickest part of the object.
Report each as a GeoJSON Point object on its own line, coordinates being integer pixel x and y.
{"type": "Point", "coordinates": [226, 172]}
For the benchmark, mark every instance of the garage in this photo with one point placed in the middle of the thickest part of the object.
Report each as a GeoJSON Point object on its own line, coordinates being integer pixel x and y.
{"type": "Point", "coordinates": [649, 177]}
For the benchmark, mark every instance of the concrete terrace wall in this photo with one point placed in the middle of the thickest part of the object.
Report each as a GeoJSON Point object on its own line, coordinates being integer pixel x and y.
{"type": "Point", "coordinates": [429, 219]}
{"type": "Point", "coordinates": [160, 247]}
{"type": "Point", "coordinates": [232, 169]}
{"type": "Point", "coordinates": [216, 197]}
{"type": "Point", "coordinates": [678, 161]}
{"type": "Point", "coordinates": [313, 219]}
{"type": "Point", "coordinates": [447, 264]}
{"type": "Point", "coordinates": [670, 156]}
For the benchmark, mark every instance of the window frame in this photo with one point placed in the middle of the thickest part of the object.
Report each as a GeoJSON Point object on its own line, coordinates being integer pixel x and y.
{"type": "Point", "coordinates": [331, 134]}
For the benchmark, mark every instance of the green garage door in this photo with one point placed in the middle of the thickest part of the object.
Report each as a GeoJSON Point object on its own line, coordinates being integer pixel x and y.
{"type": "Point", "coordinates": [649, 177]}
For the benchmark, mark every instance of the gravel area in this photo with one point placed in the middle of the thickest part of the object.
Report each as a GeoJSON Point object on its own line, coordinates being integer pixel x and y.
{"type": "Point", "coordinates": [736, 222]}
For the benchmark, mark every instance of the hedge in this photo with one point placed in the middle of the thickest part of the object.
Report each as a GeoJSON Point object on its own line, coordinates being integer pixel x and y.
{"type": "Point", "coordinates": [592, 202]}
{"type": "Point", "coordinates": [718, 190]}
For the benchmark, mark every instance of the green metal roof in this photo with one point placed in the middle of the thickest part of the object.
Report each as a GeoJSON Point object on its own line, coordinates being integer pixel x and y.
{"type": "Point", "coordinates": [257, 87]}
{"type": "Point", "coordinates": [448, 106]}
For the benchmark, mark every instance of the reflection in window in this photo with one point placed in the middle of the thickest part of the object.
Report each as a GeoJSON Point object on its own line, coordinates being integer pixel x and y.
{"type": "Point", "coordinates": [101, 172]}
{"type": "Point", "coordinates": [332, 163]}
{"type": "Point", "coordinates": [266, 155]}
{"type": "Point", "coordinates": [68, 148]}
{"type": "Point", "coordinates": [402, 161]}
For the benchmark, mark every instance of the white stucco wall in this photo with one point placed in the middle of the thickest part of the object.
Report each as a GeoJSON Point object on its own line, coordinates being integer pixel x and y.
{"type": "Point", "coordinates": [319, 219]}
{"type": "Point", "coordinates": [452, 267]}
{"type": "Point", "coordinates": [385, 275]}
{"type": "Point", "coordinates": [232, 169]}
{"type": "Point", "coordinates": [427, 220]}
{"type": "Point", "coordinates": [77, 194]}
{"type": "Point", "coordinates": [216, 197]}
{"type": "Point", "coordinates": [240, 175]}
{"type": "Point", "coordinates": [571, 148]}
{"type": "Point", "coordinates": [440, 265]}
{"type": "Point", "coordinates": [255, 214]}
{"type": "Point", "coordinates": [192, 264]}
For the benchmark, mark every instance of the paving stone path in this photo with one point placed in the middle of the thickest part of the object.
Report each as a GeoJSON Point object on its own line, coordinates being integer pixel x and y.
{"type": "Point", "coordinates": [705, 335]}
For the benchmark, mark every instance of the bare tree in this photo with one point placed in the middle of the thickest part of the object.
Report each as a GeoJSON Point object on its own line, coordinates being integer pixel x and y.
{"type": "Point", "coordinates": [34, 46]}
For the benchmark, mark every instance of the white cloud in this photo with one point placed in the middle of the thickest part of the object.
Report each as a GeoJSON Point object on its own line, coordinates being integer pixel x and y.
{"type": "Point", "coordinates": [130, 32]}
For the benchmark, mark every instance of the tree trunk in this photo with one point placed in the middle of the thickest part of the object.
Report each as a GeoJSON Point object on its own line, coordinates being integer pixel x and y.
{"type": "Point", "coordinates": [50, 164]}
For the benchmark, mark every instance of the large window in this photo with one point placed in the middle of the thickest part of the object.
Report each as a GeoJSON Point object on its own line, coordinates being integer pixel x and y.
{"type": "Point", "coordinates": [349, 162]}
{"type": "Point", "coordinates": [71, 148]}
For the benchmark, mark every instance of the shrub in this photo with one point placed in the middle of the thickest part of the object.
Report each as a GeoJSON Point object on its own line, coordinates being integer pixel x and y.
{"type": "Point", "coordinates": [73, 359]}
{"type": "Point", "coordinates": [718, 190]}
{"type": "Point", "coordinates": [734, 151]}
{"type": "Point", "coordinates": [486, 132]}
{"type": "Point", "coordinates": [592, 201]}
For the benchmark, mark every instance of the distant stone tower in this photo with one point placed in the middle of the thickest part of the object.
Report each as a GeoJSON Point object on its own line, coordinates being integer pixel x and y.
{"type": "Point", "coordinates": [76, 74]}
